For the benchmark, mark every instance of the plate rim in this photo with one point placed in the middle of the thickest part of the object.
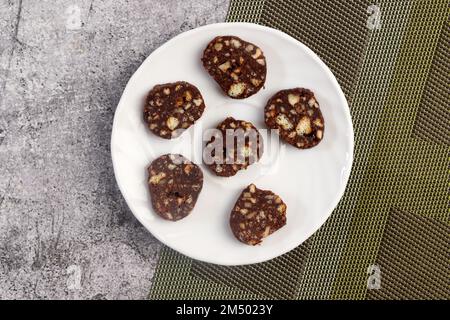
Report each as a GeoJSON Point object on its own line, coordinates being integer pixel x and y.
{"type": "Point", "coordinates": [343, 100]}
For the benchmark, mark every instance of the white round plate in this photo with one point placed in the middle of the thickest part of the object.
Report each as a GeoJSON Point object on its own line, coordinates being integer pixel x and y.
{"type": "Point", "coordinates": [311, 182]}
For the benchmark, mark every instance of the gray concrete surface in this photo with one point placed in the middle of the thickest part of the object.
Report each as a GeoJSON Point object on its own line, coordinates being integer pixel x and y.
{"type": "Point", "coordinates": [65, 230]}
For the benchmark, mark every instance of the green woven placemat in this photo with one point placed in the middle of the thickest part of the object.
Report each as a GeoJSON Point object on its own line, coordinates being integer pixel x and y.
{"type": "Point", "coordinates": [394, 215]}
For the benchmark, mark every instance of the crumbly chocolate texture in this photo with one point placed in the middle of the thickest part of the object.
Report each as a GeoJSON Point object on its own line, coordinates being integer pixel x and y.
{"type": "Point", "coordinates": [296, 113]}
{"type": "Point", "coordinates": [246, 150]}
{"type": "Point", "coordinates": [238, 66]}
{"type": "Point", "coordinates": [257, 214]}
{"type": "Point", "coordinates": [175, 184]}
{"type": "Point", "coordinates": [173, 106]}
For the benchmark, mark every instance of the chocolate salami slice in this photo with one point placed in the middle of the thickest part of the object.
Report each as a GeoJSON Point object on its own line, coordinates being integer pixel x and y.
{"type": "Point", "coordinates": [257, 214]}
{"type": "Point", "coordinates": [238, 66]}
{"type": "Point", "coordinates": [296, 113]}
{"type": "Point", "coordinates": [172, 107]}
{"type": "Point", "coordinates": [175, 184]}
{"type": "Point", "coordinates": [235, 145]}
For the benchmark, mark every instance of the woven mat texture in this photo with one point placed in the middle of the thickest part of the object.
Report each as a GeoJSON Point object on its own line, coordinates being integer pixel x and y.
{"type": "Point", "coordinates": [395, 212]}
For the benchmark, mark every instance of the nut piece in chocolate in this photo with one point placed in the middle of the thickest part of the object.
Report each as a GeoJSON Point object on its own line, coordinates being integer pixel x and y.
{"type": "Point", "coordinates": [296, 113]}
{"type": "Point", "coordinates": [257, 214]}
{"type": "Point", "coordinates": [173, 107]}
{"type": "Point", "coordinates": [239, 67]}
{"type": "Point", "coordinates": [174, 184]}
{"type": "Point", "coordinates": [235, 145]}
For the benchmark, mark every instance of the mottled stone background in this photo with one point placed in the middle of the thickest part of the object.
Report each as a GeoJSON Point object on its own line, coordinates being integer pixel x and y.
{"type": "Point", "coordinates": [65, 230]}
